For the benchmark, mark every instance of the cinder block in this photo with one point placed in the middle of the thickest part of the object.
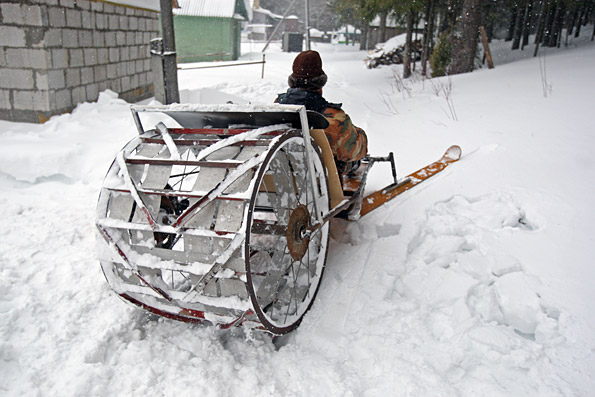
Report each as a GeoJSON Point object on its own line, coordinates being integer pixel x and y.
{"type": "Point", "coordinates": [32, 15]}
{"type": "Point", "coordinates": [104, 85]}
{"type": "Point", "coordinates": [130, 68]}
{"type": "Point", "coordinates": [52, 38]}
{"type": "Point", "coordinates": [31, 100]}
{"type": "Point", "coordinates": [76, 57]}
{"type": "Point", "coordinates": [16, 78]}
{"type": "Point", "coordinates": [124, 22]}
{"type": "Point", "coordinates": [83, 4]}
{"type": "Point", "coordinates": [56, 79]}
{"type": "Point", "coordinates": [87, 21]}
{"type": "Point", "coordinates": [85, 38]}
{"type": "Point", "coordinates": [133, 23]}
{"type": "Point", "coordinates": [120, 38]}
{"type": "Point", "coordinates": [98, 39]}
{"type": "Point", "coordinates": [41, 80]}
{"type": "Point", "coordinates": [124, 53]}
{"type": "Point", "coordinates": [139, 66]}
{"type": "Point", "coordinates": [97, 6]}
{"type": "Point", "coordinates": [79, 95]}
{"type": "Point", "coordinates": [67, 3]}
{"type": "Point", "coordinates": [70, 38]}
{"type": "Point", "coordinates": [120, 10]}
{"type": "Point", "coordinates": [62, 100]}
{"type": "Point", "coordinates": [73, 77]}
{"type": "Point", "coordinates": [115, 85]}
{"type": "Point", "coordinates": [41, 101]}
{"type": "Point", "coordinates": [100, 73]}
{"type": "Point", "coordinates": [125, 83]}
{"type": "Point", "coordinates": [12, 36]}
{"type": "Point", "coordinates": [92, 92]}
{"type": "Point", "coordinates": [18, 58]}
{"type": "Point", "coordinates": [142, 24]}
{"type": "Point", "coordinates": [23, 100]}
{"type": "Point", "coordinates": [110, 39]}
{"type": "Point", "coordinates": [122, 71]}
{"type": "Point", "coordinates": [90, 56]}
{"type": "Point", "coordinates": [5, 99]}
{"type": "Point", "coordinates": [114, 55]}
{"type": "Point", "coordinates": [12, 13]}
{"type": "Point", "coordinates": [114, 22]}
{"type": "Point", "coordinates": [109, 8]}
{"type": "Point", "coordinates": [73, 18]}
{"type": "Point", "coordinates": [101, 21]}
{"type": "Point", "coordinates": [2, 57]}
{"type": "Point", "coordinates": [102, 56]}
{"type": "Point", "coordinates": [134, 52]}
{"type": "Point", "coordinates": [134, 81]}
{"type": "Point", "coordinates": [57, 17]}
{"type": "Point", "coordinates": [112, 71]}
{"type": "Point", "coordinates": [60, 59]}
{"type": "Point", "coordinates": [87, 75]}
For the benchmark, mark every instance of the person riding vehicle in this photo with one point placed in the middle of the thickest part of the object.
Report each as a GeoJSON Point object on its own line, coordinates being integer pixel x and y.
{"type": "Point", "coordinates": [348, 143]}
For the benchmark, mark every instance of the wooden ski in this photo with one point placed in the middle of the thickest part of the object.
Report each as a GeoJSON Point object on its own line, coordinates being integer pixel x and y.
{"type": "Point", "coordinates": [376, 199]}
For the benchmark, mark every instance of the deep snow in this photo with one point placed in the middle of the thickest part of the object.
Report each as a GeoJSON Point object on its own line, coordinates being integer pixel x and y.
{"type": "Point", "coordinates": [477, 282]}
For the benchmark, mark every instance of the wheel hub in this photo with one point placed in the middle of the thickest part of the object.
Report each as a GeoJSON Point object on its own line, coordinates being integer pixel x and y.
{"type": "Point", "coordinates": [297, 241]}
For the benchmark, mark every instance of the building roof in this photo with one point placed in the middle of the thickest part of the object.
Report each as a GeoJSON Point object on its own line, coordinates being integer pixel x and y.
{"type": "Point", "coordinates": [152, 5]}
{"type": "Point", "coordinates": [214, 8]}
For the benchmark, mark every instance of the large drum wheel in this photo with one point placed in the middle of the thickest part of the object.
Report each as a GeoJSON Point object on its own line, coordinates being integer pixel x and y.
{"type": "Point", "coordinates": [284, 260]}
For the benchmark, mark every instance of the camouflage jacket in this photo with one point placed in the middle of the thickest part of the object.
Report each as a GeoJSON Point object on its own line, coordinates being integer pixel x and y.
{"type": "Point", "coordinates": [348, 142]}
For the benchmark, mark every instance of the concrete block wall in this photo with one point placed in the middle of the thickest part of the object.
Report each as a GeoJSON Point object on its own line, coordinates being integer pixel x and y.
{"type": "Point", "coordinates": [55, 54]}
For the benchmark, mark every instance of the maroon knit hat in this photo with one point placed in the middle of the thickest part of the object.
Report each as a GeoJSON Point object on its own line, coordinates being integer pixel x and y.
{"type": "Point", "coordinates": [307, 71]}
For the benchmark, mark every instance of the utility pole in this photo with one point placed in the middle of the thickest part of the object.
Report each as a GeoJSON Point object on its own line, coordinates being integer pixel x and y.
{"type": "Point", "coordinates": [170, 72]}
{"type": "Point", "coordinates": [307, 25]}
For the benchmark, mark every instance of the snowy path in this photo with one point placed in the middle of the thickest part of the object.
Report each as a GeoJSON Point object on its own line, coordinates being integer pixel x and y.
{"type": "Point", "coordinates": [476, 283]}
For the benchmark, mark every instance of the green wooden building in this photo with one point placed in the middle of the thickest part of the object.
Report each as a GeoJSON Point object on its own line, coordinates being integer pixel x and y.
{"type": "Point", "coordinates": [209, 30]}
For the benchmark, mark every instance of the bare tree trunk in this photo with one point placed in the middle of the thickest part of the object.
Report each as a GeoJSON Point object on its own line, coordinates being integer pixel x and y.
{"type": "Point", "coordinates": [549, 23]}
{"type": "Point", "coordinates": [527, 25]}
{"type": "Point", "coordinates": [582, 16]}
{"type": "Point", "coordinates": [465, 46]}
{"type": "Point", "coordinates": [407, 50]}
{"type": "Point", "coordinates": [382, 27]}
{"type": "Point", "coordinates": [346, 34]}
{"type": "Point", "coordinates": [517, 32]}
{"type": "Point", "coordinates": [431, 27]}
{"type": "Point", "coordinates": [554, 27]}
{"type": "Point", "coordinates": [363, 41]}
{"type": "Point", "coordinates": [512, 24]}
{"type": "Point", "coordinates": [426, 39]}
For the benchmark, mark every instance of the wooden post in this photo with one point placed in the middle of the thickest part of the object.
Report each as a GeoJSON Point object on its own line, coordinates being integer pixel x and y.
{"type": "Point", "coordinates": [486, 47]}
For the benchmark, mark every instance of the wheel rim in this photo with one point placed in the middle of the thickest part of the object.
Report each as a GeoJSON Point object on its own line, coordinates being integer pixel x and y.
{"type": "Point", "coordinates": [284, 264]}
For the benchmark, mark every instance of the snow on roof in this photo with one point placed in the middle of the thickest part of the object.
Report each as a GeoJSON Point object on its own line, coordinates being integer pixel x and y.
{"type": "Point", "coordinates": [152, 5]}
{"type": "Point", "coordinates": [267, 12]}
{"type": "Point", "coordinates": [207, 8]}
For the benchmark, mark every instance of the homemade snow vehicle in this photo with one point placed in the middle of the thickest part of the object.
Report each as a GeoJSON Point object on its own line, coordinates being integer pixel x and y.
{"type": "Point", "coordinates": [220, 213]}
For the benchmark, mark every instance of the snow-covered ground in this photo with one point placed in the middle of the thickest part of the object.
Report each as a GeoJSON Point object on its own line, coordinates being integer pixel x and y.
{"type": "Point", "coordinates": [477, 282]}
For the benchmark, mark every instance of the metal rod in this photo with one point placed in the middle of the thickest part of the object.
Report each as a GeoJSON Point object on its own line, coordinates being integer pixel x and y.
{"type": "Point", "coordinates": [307, 25]}
{"type": "Point", "coordinates": [222, 66]}
{"type": "Point", "coordinates": [172, 95]}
